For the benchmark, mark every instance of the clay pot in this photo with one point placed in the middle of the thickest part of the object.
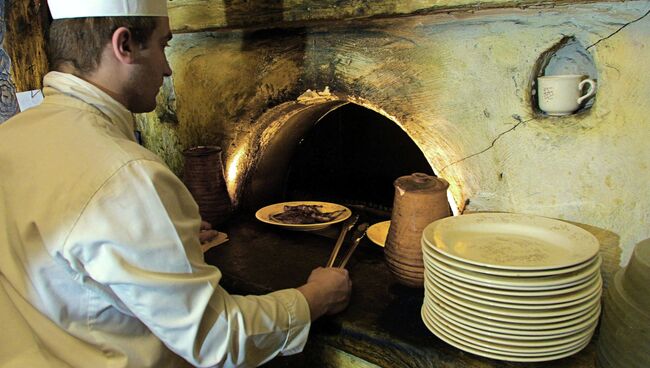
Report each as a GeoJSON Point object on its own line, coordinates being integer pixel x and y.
{"type": "Point", "coordinates": [419, 200]}
{"type": "Point", "coordinates": [624, 335]}
{"type": "Point", "coordinates": [203, 176]}
{"type": "Point", "coordinates": [636, 280]}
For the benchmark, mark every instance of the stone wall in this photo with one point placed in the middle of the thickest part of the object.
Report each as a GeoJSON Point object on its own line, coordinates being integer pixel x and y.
{"type": "Point", "coordinates": [460, 84]}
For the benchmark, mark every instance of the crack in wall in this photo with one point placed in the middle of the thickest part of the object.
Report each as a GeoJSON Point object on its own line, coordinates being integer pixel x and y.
{"type": "Point", "coordinates": [518, 118]}
{"type": "Point", "coordinates": [618, 30]}
{"type": "Point", "coordinates": [494, 141]}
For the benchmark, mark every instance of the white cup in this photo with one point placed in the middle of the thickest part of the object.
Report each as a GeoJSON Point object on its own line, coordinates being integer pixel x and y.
{"type": "Point", "coordinates": [562, 94]}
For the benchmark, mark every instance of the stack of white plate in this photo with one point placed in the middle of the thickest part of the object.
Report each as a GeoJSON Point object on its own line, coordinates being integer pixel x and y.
{"type": "Point", "coordinates": [511, 287]}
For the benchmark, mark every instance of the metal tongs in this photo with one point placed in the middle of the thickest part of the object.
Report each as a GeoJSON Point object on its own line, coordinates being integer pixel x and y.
{"type": "Point", "coordinates": [359, 233]}
{"type": "Point", "coordinates": [347, 226]}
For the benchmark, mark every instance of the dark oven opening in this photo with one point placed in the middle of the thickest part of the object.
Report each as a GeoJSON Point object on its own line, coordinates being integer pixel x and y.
{"type": "Point", "coordinates": [352, 155]}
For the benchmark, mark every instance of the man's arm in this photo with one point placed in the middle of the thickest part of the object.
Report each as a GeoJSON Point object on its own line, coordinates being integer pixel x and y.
{"type": "Point", "coordinates": [138, 238]}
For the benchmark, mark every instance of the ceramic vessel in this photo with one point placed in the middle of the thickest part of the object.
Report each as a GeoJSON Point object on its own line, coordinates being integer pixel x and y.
{"type": "Point", "coordinates": [625, 326]}
{"type": "Point", "coordinates": [419, 200]}
{"type": "Point", "coordinates": [203, 176]}
{"type": "Point", "coordinates": [636, 280]}
{"type": "Point", "coordinates": [560, 95]}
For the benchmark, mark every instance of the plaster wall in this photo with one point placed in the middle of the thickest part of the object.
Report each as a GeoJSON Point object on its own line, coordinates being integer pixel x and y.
{"type": "Point", "coordinates": [460, 85]}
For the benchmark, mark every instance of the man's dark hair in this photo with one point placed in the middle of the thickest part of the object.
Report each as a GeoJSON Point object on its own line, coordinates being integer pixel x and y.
{"type": "Point", "coordinates": [80, 41]}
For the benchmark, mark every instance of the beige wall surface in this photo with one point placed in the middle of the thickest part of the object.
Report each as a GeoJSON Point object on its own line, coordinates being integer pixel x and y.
{"type": "Point", "coordinates": [460, 85]}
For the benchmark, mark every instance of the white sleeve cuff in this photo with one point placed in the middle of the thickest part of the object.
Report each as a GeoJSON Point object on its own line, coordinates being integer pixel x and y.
{"type": "Point", "coordinates": [299, 320]}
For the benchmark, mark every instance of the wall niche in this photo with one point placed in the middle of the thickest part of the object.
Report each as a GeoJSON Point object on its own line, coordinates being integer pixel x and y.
{"type": "Point", "coordinates": [567, 57]}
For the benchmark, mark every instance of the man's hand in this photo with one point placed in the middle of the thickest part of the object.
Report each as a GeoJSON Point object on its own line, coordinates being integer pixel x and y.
{"type": "Point", "coordinates": [327, 291]}
{"type": "Point", "coordinates": [205, 225]}
{"type": "Point", "coordinates": [206, 234]}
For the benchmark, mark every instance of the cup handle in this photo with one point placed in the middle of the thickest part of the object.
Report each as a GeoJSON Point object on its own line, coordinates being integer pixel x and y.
{"type": "Point", "coordinates": [590, 92]}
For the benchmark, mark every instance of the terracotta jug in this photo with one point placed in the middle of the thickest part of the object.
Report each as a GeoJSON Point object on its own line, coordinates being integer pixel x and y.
{"type": "Point", "coordinates": [203, 176]}
{"type": "Point", "coordinates": [419, 200]}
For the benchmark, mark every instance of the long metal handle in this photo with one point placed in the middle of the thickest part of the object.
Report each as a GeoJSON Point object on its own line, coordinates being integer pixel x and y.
{"type": "Point", "coordinates": [362, 230]}
{"type": "Point", "coordinates": [349, 224]}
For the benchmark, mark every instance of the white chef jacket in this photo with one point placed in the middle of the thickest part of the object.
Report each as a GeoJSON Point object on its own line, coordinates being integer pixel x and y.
{"type": "Point", "coordinates": [99, 253]}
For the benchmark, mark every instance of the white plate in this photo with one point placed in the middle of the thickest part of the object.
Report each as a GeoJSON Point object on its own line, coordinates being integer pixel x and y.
{"type": "Point", "coordinates": [475, 319]}
{"type": "Point", "coordinates": [506, 333]}
{"type": "Point", "coordinates": [538, 302]}
{"type": "Point", "coordinates": [513, 345]}
{"type": "Point", "coordinates": [494, 354]}
{"type": "Point", "coordinates": [515, 283]}
{"type": "Point", "coordinates": [264, 215]}
{"type": "Point", "coordinates": [515, 321]}
{"type": "Point", "coordinates": [378, 232]}
{"type": "Point", "coordinates": [496, 348]}
{"type": "Point", "coordinates": [534, 293]}
{"type": "Point", "coordinates": [511, 241]}
{"type": "Point", "coordinates": [518, 293]}
{"type": "Point", "coordinates": [514, 306]}
{"type": "Point", "coordinates": [430, 250]}
{"type": "Point", "coordinates": [512, 312]}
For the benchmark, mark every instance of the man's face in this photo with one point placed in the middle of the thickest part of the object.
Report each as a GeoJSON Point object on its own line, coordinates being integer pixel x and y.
{"type": "Point", "coordinates": [149, 70]}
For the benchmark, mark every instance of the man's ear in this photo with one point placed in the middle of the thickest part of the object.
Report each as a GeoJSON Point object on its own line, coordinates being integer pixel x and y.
{"type": "Point", "coordinates": [123, 45]}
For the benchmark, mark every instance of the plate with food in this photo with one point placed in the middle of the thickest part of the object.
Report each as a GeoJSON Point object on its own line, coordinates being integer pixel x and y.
{"type": "Point", "coordinates": [303, 215]}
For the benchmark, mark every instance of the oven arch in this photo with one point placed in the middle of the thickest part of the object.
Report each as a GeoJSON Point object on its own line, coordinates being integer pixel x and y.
{"type": "Point", "coordinates": [258, 168]}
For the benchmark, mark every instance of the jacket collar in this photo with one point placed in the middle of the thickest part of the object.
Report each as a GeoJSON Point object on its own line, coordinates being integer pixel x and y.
{"type": "Point", "coordinates": [76, 87]}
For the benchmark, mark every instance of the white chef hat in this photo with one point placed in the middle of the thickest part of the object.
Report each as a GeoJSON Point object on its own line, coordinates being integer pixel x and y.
{"type": "Point", "coordinates": [107, 8]}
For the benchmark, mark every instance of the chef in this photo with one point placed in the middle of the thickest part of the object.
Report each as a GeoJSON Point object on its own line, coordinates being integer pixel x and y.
{"type": "Point", "coordinates": [100, 260]}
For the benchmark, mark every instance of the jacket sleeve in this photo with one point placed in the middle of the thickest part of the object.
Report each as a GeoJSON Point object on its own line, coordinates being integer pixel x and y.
{"type": "Point", "coordinates": [138, 237]}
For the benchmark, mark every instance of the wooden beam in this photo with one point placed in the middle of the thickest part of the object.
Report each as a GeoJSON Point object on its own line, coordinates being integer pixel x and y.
{"type": "Point", "coordinates": [201, 15]}
{"type": "Point", "coordinates": [8, 102]}
{"type": "Point", "coordinates": [26, 22]}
